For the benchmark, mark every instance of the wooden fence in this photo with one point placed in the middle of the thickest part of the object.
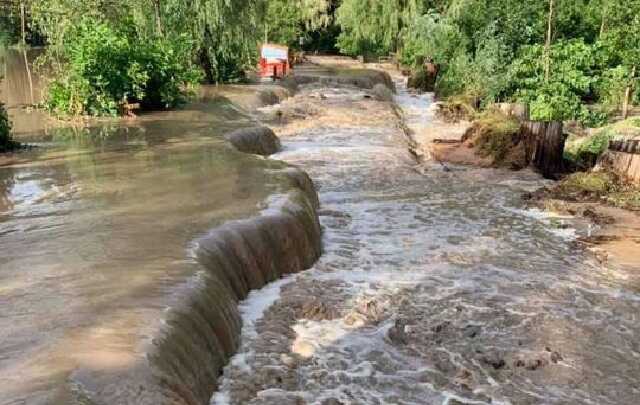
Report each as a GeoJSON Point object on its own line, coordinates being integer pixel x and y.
{"type": "Point", "coordinates": [544, 146]}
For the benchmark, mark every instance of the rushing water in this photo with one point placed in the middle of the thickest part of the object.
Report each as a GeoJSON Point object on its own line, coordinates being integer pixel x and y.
{"type": "Point", "coordinates": [435, 287]}
{"type": "Point", "coordinates": [96, 233]}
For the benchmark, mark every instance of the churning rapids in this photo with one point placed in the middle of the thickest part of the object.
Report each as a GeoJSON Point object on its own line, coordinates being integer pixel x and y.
{"type": "Point", "coordinates": [435, 286]}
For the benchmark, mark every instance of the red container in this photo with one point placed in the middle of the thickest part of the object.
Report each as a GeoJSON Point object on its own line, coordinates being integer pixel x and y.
{"type": "Point", "coordinates": [274, 61]}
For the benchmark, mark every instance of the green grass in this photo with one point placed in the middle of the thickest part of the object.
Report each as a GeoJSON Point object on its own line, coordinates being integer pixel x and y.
{"type": "Point", "coordinates": [584, 151]}
{"type": "Point", "coordinates": [494, 134]}
{"type": "Point", "coordinates": [588, 183]}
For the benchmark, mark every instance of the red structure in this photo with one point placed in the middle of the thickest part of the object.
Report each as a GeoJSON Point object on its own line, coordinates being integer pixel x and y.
{"type": "Point", "coordinates": [274, 61]}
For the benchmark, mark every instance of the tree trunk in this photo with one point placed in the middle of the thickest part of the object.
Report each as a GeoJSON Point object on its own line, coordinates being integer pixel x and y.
{"type": "Point", "coordinates": [627, 95]}
{"type": "Point", "coordinates": [603, 25]}
{"type": "Point", "coordinates": [156, 7]}
{"type": "Point", "coordinates": [544, 146]}
{"type": "Point", "coordinates": [23, 24]}
{"type": "Point", "coordinates": [547, 45]}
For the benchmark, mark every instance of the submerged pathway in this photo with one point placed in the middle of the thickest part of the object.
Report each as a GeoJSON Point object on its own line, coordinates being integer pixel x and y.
{"type": "Point", "coordinates": [435, 287]}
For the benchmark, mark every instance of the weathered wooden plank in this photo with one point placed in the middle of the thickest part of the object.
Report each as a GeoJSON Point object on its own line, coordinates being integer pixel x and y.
{"type": "Point", "coordinates": [544, 146]}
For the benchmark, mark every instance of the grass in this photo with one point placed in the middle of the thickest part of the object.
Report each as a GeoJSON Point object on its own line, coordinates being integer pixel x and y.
{"type": "Point", "coordinates": [584, 151]}
{"type": "Point", "coordinates": [494, 135]}
{"type": "Point", "coordinates": [600, 186]}
{"type": "Point", "coordinates": [457, 108]}
{"type": "Point", "coordinates": [593, 184]}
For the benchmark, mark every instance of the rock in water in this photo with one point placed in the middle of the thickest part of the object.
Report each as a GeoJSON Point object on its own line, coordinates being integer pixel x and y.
{"type": "Point", "coordinates": [256, 140]}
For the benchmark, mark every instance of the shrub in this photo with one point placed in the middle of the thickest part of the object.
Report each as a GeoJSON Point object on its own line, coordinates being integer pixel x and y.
{"type": "Point", "coordinates": [494, 135]}
{"type": "Point", "coordinates": [570, 83]}
{"type": "Point", "coordinates": [105, 67]}
{"type": "Point", "coordinates": [434, 37]}
{"type": "Point", "coordinates": [584, 153]}
{"type": "Point", "coordinates": [6, 141]}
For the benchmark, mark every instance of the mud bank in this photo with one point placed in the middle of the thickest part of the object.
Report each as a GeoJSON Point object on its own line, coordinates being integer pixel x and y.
{"type": "Point", "coordinates": [611, 233]}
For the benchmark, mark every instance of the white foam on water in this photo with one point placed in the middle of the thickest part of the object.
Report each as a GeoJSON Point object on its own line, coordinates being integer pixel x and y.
{"type": "Point", "coordinates": [457, 250]}
{"type": "Point", "coordinates": [251, 310]}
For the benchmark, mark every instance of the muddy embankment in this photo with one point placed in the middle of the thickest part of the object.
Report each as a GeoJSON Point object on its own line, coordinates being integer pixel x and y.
{"type": "Point", "coordinates": [592, 203]}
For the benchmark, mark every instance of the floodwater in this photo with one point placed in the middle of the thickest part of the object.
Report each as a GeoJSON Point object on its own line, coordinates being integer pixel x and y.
{"type": "Point", "coordinates": [96, 234]}
{"type": "Point", "coordinates": [436, 287]}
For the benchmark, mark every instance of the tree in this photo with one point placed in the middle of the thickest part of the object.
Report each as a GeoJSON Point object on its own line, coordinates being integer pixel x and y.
{"type": "Point", "coordinates": [621, 35]}
{"type": "Point", "coordinates": [375, 26]}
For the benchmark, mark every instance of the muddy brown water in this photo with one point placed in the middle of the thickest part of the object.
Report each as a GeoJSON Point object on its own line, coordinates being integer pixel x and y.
{"type": "Point", "coordinates": [125, 245]}
{"type": "Point", "coordinates": [125, 251]}
{"type": "Point", "coordinates": [436, 287]}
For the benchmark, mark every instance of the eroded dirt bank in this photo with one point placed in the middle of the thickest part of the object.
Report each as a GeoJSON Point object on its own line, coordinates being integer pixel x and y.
{"type": "Point", "coordinates": [436, 286]}
{"type": "Point", "coordinates": [600, 204]}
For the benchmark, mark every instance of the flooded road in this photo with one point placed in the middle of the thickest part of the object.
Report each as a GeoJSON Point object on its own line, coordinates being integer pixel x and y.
{"type": "Point", "coordinates": [97, 231]}
{"type": "Point", "coordinates": [435, 287]}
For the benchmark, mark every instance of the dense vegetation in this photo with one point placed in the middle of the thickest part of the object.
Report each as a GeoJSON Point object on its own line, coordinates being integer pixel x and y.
{"type": "Point", "coordinates": [569, 59]}
{"type": "Point", "coordinates": [560, 56]}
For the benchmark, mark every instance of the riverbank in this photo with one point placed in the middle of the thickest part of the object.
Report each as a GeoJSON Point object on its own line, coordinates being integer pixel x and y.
{"type": "Point", "coordinates": [611, 232]}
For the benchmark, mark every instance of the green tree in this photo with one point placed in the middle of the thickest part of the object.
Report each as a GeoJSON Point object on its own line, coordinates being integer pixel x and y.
{"type": "Point", "coordinates": [375, 26]}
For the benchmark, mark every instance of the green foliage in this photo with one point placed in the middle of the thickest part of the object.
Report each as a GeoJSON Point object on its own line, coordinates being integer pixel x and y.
{"type": "Point", "coordinates": [584, 152]}
{"type": "Point", "coordinates": [493, 50]}
{"type": "Point", "coordinates": [106, 67]}
{"type": "Point", "coordinates": [433, 37]}
{"type": "Point", "coordinates": [286, 21]}
{"type": "Point", "coordinates": [6, 141]}
{"type": "Point", "coordinates": [493, 134]}
{"type": "Point", "coordinates": [482, 77]}
{"type": "Point", "coordinates": [375, 27]}
{"type": "Point", "coordinates": [572, 79]}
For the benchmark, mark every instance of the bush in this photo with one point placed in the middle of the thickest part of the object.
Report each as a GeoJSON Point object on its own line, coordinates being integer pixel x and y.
{"type": "Point", "coordinates": [434, 37]}
{"type": "Point", "coordinates": [494, 135]}
{"type": "Point", "coordinates": [6, 141]}
{"type": "Point", "coordinates": [584, 153]}
{"type": "Point", "coordinates": [105, 67]}
{"type": "Point", "coordinates": [572, 81]}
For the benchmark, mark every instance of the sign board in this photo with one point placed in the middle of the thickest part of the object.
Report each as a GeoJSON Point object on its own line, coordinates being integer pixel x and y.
{"type": "Point", "coordinates": [271, 51]}
{"type": "Point", "coordinates": [274, 61]}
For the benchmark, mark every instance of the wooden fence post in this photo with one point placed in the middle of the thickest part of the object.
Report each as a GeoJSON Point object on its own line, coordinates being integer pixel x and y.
{"type": "Point", "coordinates": [544, 146]}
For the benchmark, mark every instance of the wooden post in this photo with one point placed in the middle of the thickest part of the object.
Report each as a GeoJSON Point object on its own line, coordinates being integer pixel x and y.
{"type": "Point", "coordinates": [544, 146]}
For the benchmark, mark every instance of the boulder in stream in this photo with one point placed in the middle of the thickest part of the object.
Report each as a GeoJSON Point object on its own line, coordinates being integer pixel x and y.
{"type": "Point", "coordinates": [256, 140]}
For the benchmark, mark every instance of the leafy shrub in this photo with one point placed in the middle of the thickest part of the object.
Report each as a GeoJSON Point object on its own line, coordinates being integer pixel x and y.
{"type": "Point", "coordinates": [6, 141]}
{"type": "Point", "coordinates": [433, 37]}
{"type": "Point", "coordinates": [584, 153]}
{"type": "Point", "coordinates": [571, 82]}
{"type": "Point", "coordinates": [105, 67]}
{"type": "Point", "coordinates": [481, 76]}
